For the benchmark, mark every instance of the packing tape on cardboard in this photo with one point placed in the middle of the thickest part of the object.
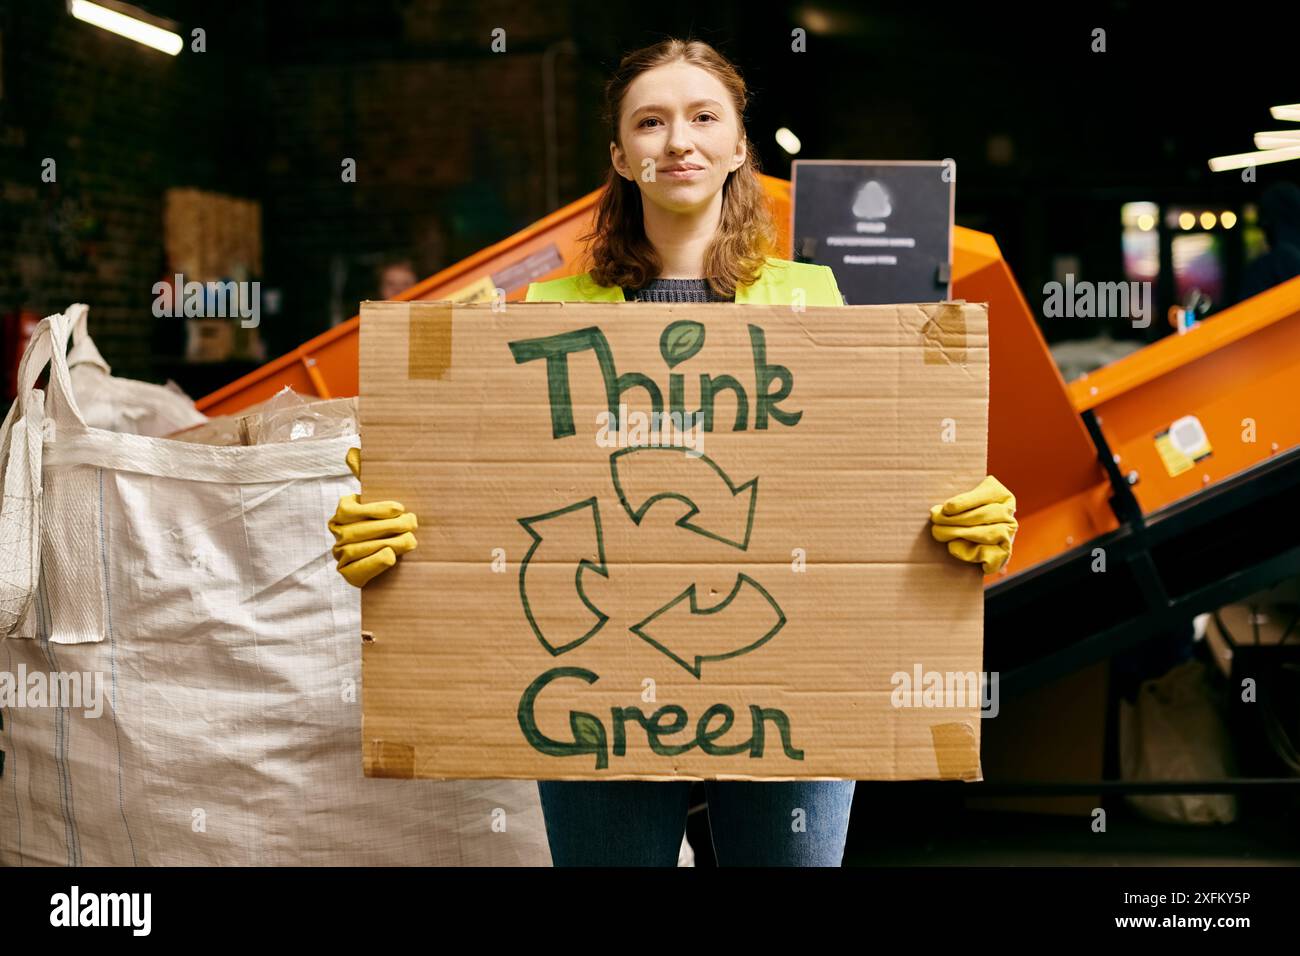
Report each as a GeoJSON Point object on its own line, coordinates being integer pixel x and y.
{"type": "Point", "coordinates": [944, 336]}
{"type": "Point", "coordinates": [956, 751]}
{"type": "Point", "coordinates": [392, 760]}
{"type": "Point", "coordinates": [428, 340]}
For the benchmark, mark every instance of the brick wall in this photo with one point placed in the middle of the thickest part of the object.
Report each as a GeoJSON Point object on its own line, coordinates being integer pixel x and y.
{"type": "Point", "coordinates": [122, 123]}
{"type": "Point", "coordinates": [448, 138]}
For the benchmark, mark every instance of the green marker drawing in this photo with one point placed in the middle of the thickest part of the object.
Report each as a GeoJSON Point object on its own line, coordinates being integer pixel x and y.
{"type": "Point", "coordinates": [680, 340]}
{"type": "Point", "coordinates": [729, 510]}
{"type": "Point", "coordinates": [675, 625]}
{"type": "Point", "coordinates": [583, 564]}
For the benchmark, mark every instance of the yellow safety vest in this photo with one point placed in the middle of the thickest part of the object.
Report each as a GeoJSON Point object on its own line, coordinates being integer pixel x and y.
{"type": "Point", "coordinates": [775, 286]}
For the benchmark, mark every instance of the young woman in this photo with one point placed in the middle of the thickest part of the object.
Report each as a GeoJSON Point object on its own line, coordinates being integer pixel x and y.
{"type": "Point", "coordinates": [683, 219]}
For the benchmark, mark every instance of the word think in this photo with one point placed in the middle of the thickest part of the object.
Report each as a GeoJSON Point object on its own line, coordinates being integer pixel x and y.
{"type": "Point", "coordinates": [557, 350]}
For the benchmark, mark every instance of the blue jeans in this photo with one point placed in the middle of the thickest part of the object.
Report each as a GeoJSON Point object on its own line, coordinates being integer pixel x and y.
{"type": "Point", "coordinates": [640, 823]}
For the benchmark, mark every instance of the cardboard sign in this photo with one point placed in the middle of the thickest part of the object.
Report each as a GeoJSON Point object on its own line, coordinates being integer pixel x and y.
{"type": "Point", "coordinates": [747, 590]}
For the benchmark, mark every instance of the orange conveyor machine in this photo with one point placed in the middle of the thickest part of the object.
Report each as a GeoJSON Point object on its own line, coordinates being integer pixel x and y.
{"type": "Point", "coordinates": [1090, 462]}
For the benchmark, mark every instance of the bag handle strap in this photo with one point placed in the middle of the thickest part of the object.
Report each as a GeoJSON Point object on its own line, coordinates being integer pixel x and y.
{"type": "Point", "coordinates": [35, 356]}
{"type": "Point", "coordinates": [77, 313]}
{"type": "Point", "coordinates": [61, 400]}
{"type": "Point", "coordinates": [48, 346]}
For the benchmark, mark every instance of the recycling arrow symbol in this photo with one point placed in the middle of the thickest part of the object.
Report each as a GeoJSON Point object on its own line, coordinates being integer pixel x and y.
{"type": "Point", "coordinates": [559, 644]}
{"type": "Point", "coordinates": [678, 632]}
{"type": "Point", "coordinates": [730, 520]}
{"type": "Point", "coordinates": [681, 629]}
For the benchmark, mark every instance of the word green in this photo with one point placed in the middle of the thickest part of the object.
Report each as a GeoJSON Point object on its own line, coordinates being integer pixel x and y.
{"type": "Point", "coordinates": [589, 736]}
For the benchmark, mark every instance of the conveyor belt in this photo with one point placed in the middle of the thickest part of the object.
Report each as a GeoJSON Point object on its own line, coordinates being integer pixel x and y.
{"type": "Point", "coordinates": [1174, 545]}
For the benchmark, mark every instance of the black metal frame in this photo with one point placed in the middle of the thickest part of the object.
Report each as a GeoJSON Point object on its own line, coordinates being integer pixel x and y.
{"type": "Point", "coordinates": [1234, 538]}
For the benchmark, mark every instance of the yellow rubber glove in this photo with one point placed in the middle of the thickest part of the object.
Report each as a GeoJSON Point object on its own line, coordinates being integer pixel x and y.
{"type": "Point", "coordinates": [370, 536]}
{"type": "Point", "coordinates": [979, 525]}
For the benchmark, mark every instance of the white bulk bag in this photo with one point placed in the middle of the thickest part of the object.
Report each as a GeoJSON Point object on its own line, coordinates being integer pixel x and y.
{"type": "Point", "coordinates": [122, 404]}
{"type": "Point", "coordinates": [195, 584]}
{"type": "Point", "coordinates": [20, 489]}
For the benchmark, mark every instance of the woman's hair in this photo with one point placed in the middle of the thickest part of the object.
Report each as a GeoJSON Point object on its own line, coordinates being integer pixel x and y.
{"type": "Point", "coordinates": [619, 251]}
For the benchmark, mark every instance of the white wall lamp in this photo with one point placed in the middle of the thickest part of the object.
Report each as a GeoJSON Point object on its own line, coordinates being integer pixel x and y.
{"type": "Point", "coordinates": [1276, 146]}
{"type": "Point", "coordinates": [130, 22]}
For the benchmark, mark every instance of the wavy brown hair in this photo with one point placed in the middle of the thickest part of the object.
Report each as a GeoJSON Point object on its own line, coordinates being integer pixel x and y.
{"type": "Point", "coordinates": [618, 249]}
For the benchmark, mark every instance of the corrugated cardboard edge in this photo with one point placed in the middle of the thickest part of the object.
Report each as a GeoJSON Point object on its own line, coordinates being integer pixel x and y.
{"type": "Point", "coordinates": [956, 750]}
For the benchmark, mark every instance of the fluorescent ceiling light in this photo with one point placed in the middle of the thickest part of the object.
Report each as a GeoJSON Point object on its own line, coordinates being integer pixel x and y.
{"type": "Point", "coordinates": [1291, 112]}
{"type": "Point", "coordinates": [787, 141]}
{"type": "Point", "coordinates": [131, 27]}
{"type": "Point", "coordinates": [1272, 139]}
{"type": "Point", "coordinates": [1241, 160]}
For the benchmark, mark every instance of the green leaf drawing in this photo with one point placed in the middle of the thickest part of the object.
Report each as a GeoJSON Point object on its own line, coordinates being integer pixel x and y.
{"type": "Point", "coordinates": [680, 341]}
{"type": "Point", "coordinates": [587, 730]}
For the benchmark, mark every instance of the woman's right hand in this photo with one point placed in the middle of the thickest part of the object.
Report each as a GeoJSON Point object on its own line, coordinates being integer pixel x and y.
{"type": "Point", "coordinates": [369, 537]}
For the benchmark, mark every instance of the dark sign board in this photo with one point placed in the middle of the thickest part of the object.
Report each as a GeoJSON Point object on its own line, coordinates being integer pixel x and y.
{"type": "Point", "coordinates": [884, 227]}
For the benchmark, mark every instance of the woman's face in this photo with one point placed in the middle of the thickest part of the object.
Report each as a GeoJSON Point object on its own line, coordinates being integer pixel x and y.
{"type": "Point", "coordinates": [680, 136]}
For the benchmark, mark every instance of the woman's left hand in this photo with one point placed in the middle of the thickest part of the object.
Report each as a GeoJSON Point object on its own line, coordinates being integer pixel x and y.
{"type": "Point", "coordinates": [979, 525]}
